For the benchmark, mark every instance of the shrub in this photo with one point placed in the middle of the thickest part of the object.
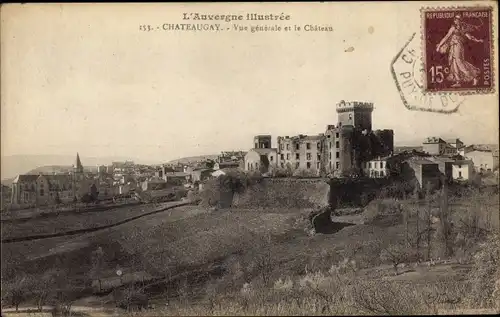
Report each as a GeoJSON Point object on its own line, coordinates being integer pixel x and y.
{"type": "Point", "coordinates": [312, 172]}
{"type": "Point", "coordinates": [17, 291]}
{"type": "Point", "coordinates": [485, 275]}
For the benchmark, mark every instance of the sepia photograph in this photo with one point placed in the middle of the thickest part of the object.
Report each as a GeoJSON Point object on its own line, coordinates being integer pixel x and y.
{"type": "Point", "coordinates": [249, 159]}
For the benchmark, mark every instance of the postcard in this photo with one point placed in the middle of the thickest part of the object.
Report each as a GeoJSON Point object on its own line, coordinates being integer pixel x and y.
{"type": "Point", "coordinates": [335, 158]}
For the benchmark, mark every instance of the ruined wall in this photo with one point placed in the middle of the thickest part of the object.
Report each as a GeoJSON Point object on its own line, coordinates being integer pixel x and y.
{"type": "Point", "coordinates": [284, 193]}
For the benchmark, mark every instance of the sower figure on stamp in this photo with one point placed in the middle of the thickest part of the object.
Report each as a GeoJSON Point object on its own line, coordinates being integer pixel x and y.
{"type": "Point", "coordinates": [461, 71]}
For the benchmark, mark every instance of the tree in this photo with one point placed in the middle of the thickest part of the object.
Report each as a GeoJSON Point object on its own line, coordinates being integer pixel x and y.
{"type": "Point", "coordinates": [445, 227]}
{"type": "Point", "coordinates": [43, 287]}
{"type": "Point", "coordinates": [131, 298]}
{"type": "Point", "coordinates": [57, 200]}
{"type": "Point", "coordinates": [97, 266]}
{"type": "Point", "coordinates": [210, 163]}
{"type": "Point", "coordinates": [428, 219]}
{"type": "Point", "coordinates": [262, 258]}
{"type": "Point", "coordinates": [397, 254]}
{"type": "Point", "coordinates": [18, 290]}
{"type": "Point", "coordinates": [94, 193]}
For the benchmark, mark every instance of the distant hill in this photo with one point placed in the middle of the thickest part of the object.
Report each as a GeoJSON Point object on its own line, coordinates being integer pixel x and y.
{"type": "Point", "coordinates": [193, 159]}
{"type": "Point", "coordinates": [21, 164]}
{"type": "Point", "coordinates": [50, 169]}
{"type": "Point", "coordinates": [402, 148]}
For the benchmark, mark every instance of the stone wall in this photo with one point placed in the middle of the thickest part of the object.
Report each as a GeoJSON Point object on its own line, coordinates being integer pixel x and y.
{"type": "Point", "coordinates": [284, 193]}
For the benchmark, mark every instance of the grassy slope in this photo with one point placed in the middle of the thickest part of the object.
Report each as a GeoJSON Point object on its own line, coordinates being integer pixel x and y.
{"type": "Point", "coordinates": [189, 239]}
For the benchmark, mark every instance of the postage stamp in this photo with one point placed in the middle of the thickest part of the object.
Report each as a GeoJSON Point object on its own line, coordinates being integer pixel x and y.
{"type": "Point", "coordinates": [457, 48]}
{"type": "Point", "coordinates": [407, 71]}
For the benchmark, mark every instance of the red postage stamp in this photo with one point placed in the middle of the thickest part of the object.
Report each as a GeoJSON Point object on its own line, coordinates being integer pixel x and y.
{"type": "Point", "coordinates": [458, 49]}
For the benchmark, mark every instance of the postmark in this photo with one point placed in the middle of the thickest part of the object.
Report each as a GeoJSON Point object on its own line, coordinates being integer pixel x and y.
{"type": "Point", "coordinates": [457, 48]}
{"type": "Point", "coordinates": [407, 71]}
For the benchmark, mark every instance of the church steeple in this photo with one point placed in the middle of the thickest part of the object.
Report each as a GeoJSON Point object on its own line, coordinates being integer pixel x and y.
{"type": "Point", "coordinates": [78, 166]}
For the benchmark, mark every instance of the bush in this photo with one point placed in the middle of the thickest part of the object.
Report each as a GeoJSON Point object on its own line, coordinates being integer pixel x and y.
{"type": "Point", "coordinates": [485, 275]}
{"type": "Point", "coordinates": [305, 172]}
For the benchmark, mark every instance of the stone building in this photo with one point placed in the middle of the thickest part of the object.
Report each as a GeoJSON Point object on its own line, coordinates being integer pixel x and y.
{"type": "Point", "coordinates": [43, 189]}
{"type": "Point", "coordinates": [338, 151]}
{"type": "Point", "coordinates": [438, 146]}
{"type": "Point", "coordinates": [261, 158]}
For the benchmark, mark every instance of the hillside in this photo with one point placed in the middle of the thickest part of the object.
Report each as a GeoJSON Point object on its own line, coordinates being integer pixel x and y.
{"type": "Point", "coordinates": [402, 148]}
{"type": "Point", "coordinates": [192, 159]}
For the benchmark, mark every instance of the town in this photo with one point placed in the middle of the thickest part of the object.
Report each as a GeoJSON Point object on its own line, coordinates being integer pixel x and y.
{"type": "Point", "coordinates": [348, 149]}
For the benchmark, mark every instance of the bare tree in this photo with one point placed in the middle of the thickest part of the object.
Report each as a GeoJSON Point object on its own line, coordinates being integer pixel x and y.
{"type": "Point", "coordinates": [398, 253]}
{"type": "Point", "coordinates": [428, 218]}
{"type": "Point", "coordinates": [264, 258]}
{"type": "Point", "coordinates": [42, 288]}
{"type": "Point", "coordinates": [445, 227]}
{"type": "Point", "coordinates": [131, 298]}
{"type": "Point", "coordinates": [18, 290]}
{"type": "Point", "coordinates": [97, 265]}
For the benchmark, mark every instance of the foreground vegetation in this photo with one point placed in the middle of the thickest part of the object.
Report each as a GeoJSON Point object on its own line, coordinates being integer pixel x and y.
{"type": "Point", "coordinates": [249, 262]}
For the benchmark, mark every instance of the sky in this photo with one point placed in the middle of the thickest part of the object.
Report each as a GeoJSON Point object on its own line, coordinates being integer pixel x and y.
{"type": "Point", "coordinates": [84, 78]}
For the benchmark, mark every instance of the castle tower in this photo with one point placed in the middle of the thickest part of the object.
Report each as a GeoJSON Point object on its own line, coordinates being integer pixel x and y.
{"type": "Point", "coordinates": [355, 113]}
{"type": "Point", "coordinates": [262, 142]}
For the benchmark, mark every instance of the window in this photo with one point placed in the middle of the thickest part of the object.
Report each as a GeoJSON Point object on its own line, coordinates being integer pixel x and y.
{"type": "Point", "coordinates": [381, 164]}
{"type": "Point", "coordinates": [296, 146]}
{"type": "Point", "coordinates": [374, 164]}
{"type": "Point", "coordinates": [297, 165]}
{"type": "Point", "coordinates": [460, 174]}
{"type": "Point", "coordinates": [308, 155]}
{"type": "Point", "coordinates": [350, 116]}
{"type": "Point", "coordinates": [382, 173]}
{"type": "Point", "coordinates": [337, 135]}
{"type": "Point", "coordinates": [288, 146]}
{"type": "Point", "coordinates": [337, 155]}
{"type": "Point", "coordinates": [317, 165]}
{"type": "Point", "coordinates": [459, 166]}
{"type": "Point", "coordinates": [256, 145]}
{"type": "Point", "coordinates": [337, 165]}
{"type": "Point", "coordinates": [319, 156]}
{"type": "Point", "coordinates": [297, 156]}
{"type": "Point", "coordinates": [281, 146]}
{"type": "Point", "coordinates": [308, 145]}
{"type": "Point", "coordinates": [330, 145]}
{"type": "Point", "coordinates": [282, 165]}
{"type": "Point", "coordinates": [375, 173]}
{"type": "Point", "coordinates": [288, 156]}
{"type": "Point", "coordinates": [318, 146]}
{"type": "Point", "coordinates": [370, 165]}
{"type": "Point", "coordinates": [330, 155]}
{"type": "Point", "coordinates": [337, 144]}
{"type": "Point", "coordinates": [308, 164]}
{"type": "Point", "coordinates": [282, 156]}
{"type": "Point", "coordinates": [330, 164]}
{"type": "Point", "coordinates": [42, 192]}
{"type": "Point", "coordinates": [272, 158]}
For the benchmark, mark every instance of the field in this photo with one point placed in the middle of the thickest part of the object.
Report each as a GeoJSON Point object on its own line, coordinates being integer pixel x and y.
{"type": "Point", "coordinates": [243, 261]}
{"type": "Point", "coordinates": [68, 221]}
